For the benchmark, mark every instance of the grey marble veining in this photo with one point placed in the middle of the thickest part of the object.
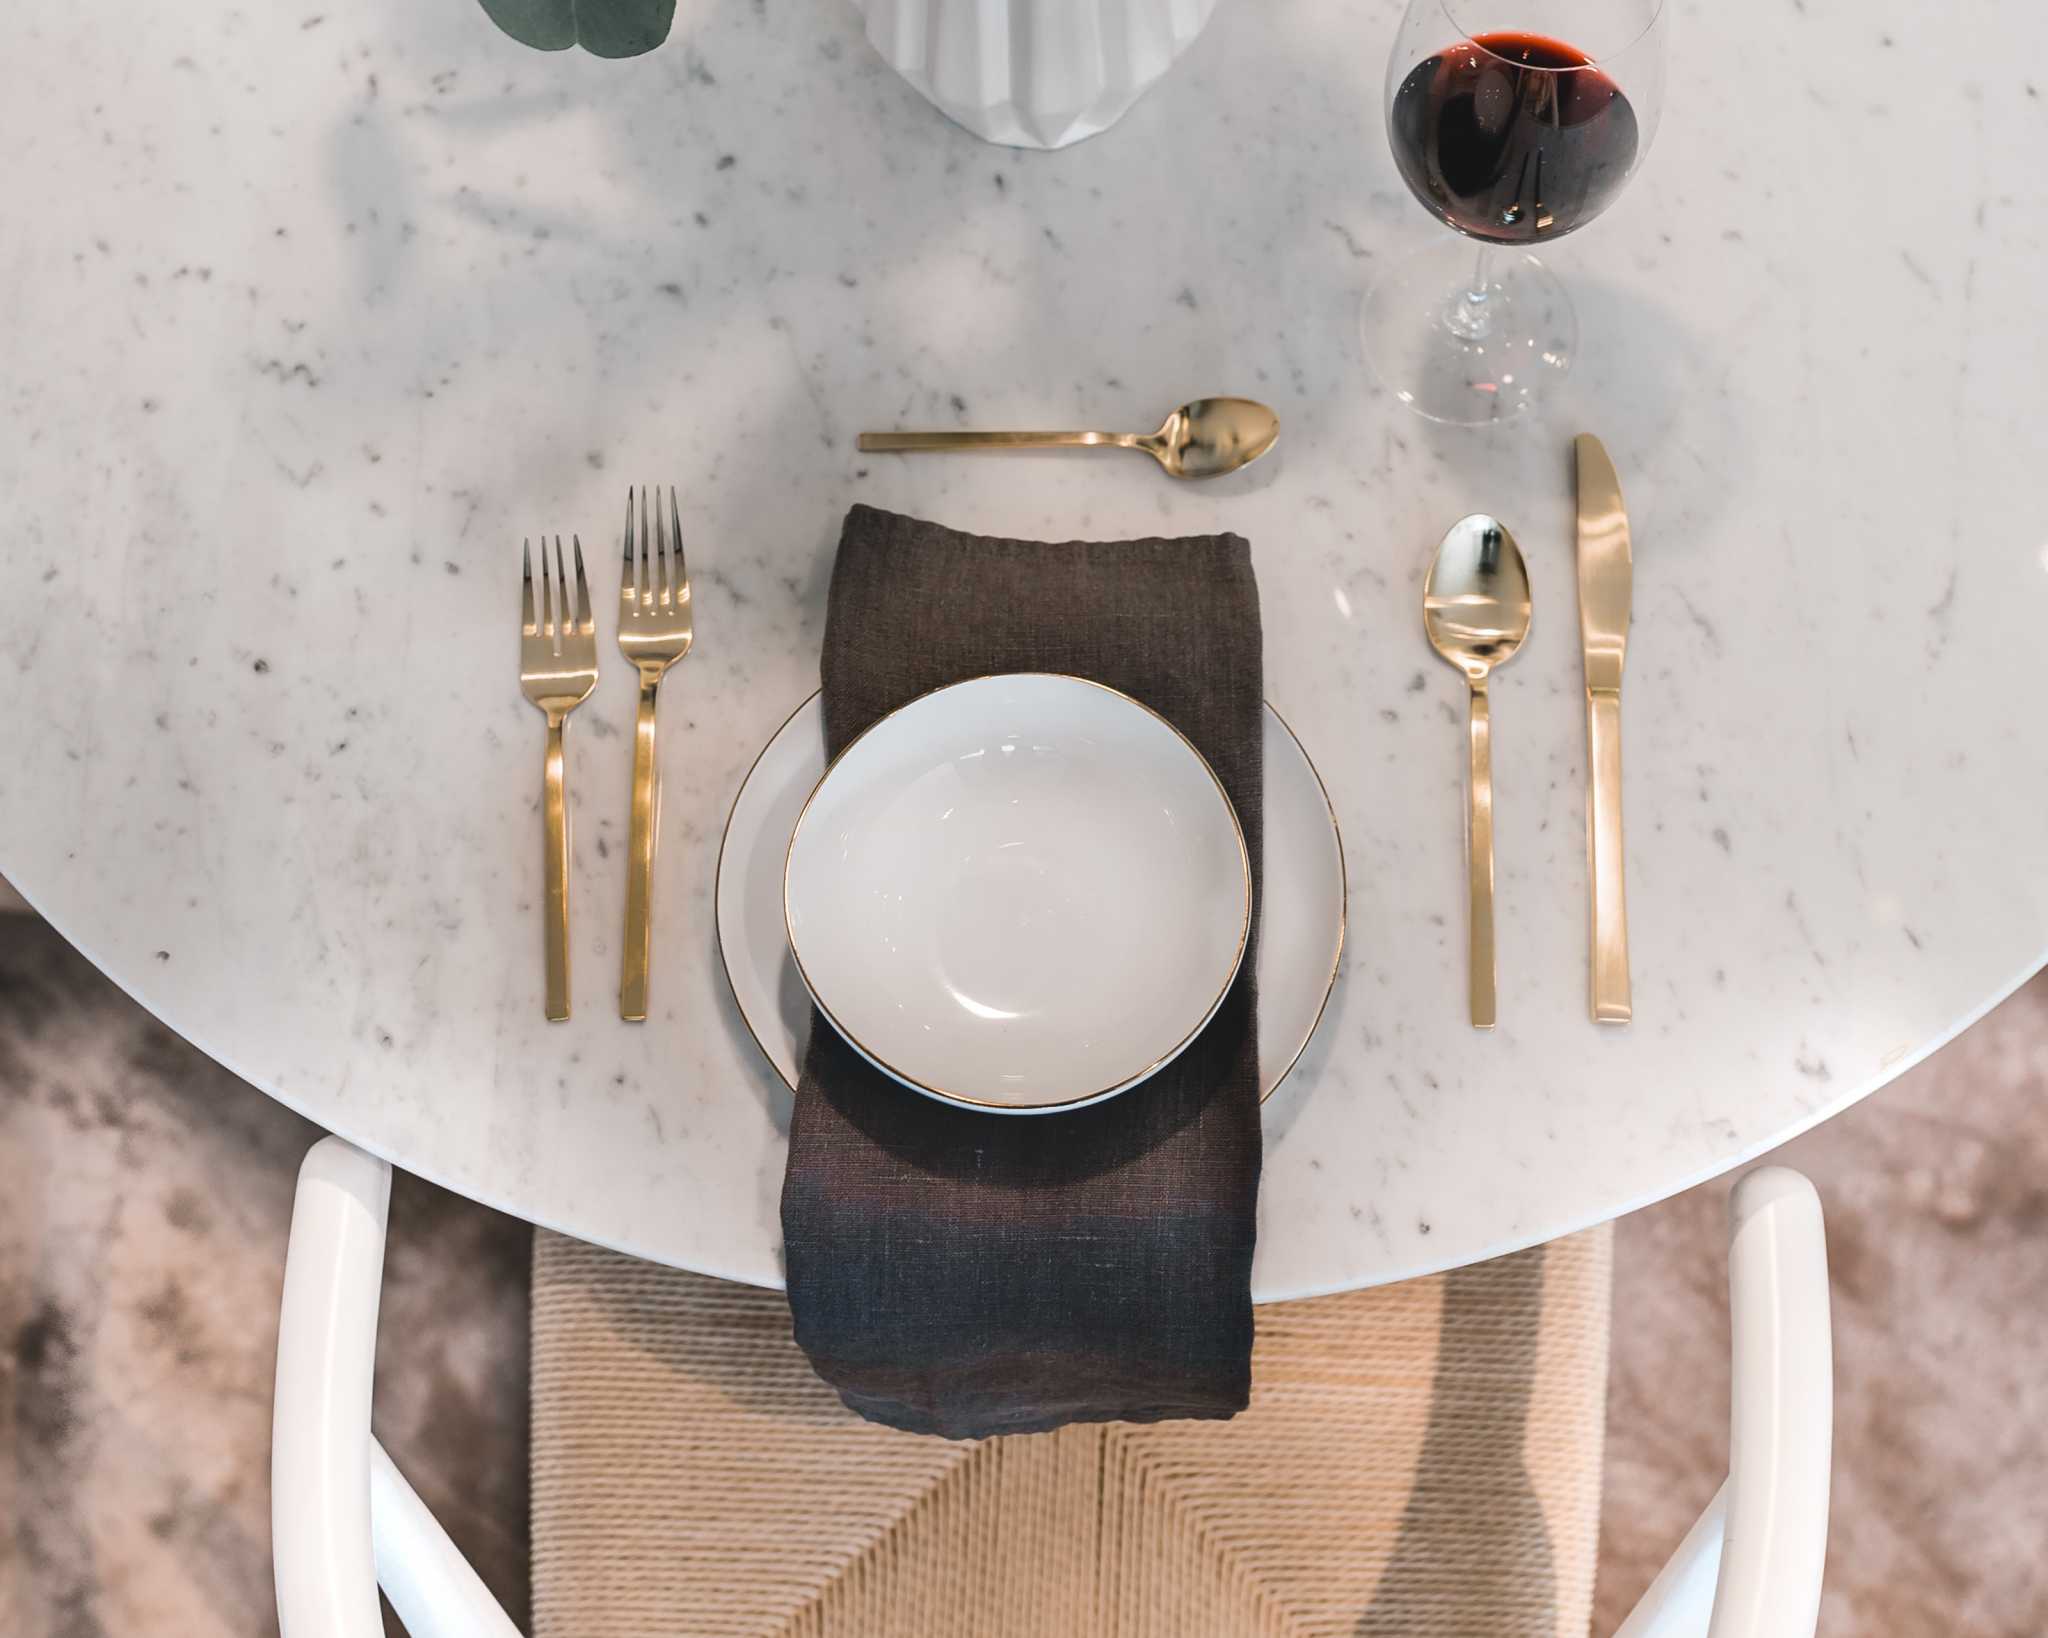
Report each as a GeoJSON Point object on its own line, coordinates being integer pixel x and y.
{"type": "Point", "coordinates": [309, 314]}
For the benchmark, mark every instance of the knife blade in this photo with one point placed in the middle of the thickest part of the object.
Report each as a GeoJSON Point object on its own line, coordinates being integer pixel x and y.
{"type": "Point", "coordinates": [1606, 580]}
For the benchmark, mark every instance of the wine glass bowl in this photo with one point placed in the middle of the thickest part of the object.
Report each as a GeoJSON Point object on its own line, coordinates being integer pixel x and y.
{"type": "Point", "coordinates": [1512, 138]}
{"type": "Point", "coordinates": [1511, 121]}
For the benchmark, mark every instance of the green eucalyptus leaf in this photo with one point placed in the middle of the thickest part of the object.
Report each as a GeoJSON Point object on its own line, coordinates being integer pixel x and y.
{"type": "Point", "coordinates": [604, 28]}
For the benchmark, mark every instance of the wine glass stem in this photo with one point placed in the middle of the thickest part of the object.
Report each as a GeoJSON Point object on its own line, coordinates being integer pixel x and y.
{"type": "Point", "coordinates": [1469, 315]}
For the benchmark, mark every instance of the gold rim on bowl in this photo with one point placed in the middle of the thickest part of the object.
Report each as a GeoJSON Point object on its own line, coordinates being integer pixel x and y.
{"type": "Point", "coordinates": [761, 1046]}
{"type": "Point", "coordinates": [961, 1099]}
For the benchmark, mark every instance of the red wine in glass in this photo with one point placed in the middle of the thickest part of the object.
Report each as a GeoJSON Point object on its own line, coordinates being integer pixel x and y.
{"type": "Point", "coordinates": [1512, 137]}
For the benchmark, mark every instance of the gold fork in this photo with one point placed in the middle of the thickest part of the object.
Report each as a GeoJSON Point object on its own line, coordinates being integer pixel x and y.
{"type": "Point", "coordinates": [654, 632]}
{"type": "Point", "coordinates": [557, 671]}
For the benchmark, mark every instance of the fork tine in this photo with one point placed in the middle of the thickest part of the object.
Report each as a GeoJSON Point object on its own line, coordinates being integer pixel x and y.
{"type": "Point", "coordinates": [675, 519]}
{"type": "Point", "coordinates": [547, 595]}
{"type": "Point", "coordinates": [661, 552]}
{"type": "Point", "coordinates": [584, 623]}
{"type": "Point", "coordinates": [629, 590]}
{"type": "Point", "coordinates": [562, 586]}
{"type": "Point", "coordinates": [526, 623]}
{"type": "Point", "coordinates": [646, 568]}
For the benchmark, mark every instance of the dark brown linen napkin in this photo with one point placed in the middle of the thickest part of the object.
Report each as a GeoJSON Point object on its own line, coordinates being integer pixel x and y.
{"type": "Point", "coordinates": [967, 1274]}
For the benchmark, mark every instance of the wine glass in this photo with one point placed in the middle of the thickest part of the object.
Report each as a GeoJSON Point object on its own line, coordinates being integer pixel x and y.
{"type": "Point", "coordinates": [1513, 121]}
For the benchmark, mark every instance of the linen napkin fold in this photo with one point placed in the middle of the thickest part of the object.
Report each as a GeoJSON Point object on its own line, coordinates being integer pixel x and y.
{"type": "Point", "coordinates": [966, 1274]}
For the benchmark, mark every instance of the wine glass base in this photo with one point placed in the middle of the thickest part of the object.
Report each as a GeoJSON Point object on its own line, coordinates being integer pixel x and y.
{"type": "Point", "coordinates": [1463, 354]}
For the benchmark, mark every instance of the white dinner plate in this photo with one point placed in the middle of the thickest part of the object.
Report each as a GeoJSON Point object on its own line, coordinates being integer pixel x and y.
{"type": "Point", "coordinates": [1301, 913]}
{"type": "Point", "coordinates": [1021, 893]}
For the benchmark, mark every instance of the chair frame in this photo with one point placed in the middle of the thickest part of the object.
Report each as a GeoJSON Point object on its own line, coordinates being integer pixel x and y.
{"type": "Point", "coordinates": [344, 1522]}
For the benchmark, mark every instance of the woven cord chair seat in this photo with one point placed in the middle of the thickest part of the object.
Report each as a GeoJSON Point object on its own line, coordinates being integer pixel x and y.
{"type": "Point", "coordinates": [1420, 1459]}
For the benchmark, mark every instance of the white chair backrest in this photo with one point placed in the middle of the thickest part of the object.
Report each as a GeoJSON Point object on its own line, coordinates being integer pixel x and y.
{"type": "Point", "coordinates": [344, 1520]}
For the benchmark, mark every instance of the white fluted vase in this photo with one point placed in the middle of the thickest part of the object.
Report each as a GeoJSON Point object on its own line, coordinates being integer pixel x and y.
{"type": "Point", "coordinates": [1034, 73]}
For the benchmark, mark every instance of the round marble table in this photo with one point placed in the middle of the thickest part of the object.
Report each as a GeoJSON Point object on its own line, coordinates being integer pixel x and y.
{"type": "Point", "coordinates": [310, 313]}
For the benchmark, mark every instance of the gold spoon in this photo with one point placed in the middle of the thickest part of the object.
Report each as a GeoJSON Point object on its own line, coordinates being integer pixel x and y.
{"type": "Point", "coordinates": [1475, 608]}
{"type": "Point", "coordinates": [1204, 439]}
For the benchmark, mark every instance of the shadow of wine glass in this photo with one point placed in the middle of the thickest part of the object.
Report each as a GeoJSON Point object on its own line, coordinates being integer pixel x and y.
{"type": "Point", "coordinates": [1645, 383]}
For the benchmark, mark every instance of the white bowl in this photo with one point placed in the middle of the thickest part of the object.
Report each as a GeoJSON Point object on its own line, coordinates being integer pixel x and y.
{"type": "Point", "coordinates": [1023, 893]}
{"type": "Point", "coordinates": [1301, 900]}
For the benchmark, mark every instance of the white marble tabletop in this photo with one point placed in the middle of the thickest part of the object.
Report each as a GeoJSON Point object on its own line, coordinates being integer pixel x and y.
{"type": "Point", "coordinates": [307, 313]}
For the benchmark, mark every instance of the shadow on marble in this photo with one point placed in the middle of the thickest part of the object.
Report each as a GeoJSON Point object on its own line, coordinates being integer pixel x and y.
{"type": "Point", "coordinates": [1641, 359]}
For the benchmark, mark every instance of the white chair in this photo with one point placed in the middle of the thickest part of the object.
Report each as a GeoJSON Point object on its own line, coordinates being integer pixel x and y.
{"type": "Point", "coordinates": [345, 1522]}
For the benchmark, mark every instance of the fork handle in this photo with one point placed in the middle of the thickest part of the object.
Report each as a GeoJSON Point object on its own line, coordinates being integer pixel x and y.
{"type": "Point", "coordinates": [639, 945]}
{"type": "Point", "coordinates": [555, 873]}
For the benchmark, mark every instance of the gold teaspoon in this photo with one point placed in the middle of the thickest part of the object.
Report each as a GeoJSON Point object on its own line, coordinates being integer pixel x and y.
{"type": "Point", "coordinates": [1204, 439]}
{"type": "Point", "coordinates": [1475, 608]}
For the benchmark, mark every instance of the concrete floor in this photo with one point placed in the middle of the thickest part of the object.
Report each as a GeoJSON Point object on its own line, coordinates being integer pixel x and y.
{"type": "Point", "coordinates": [144, 1195]}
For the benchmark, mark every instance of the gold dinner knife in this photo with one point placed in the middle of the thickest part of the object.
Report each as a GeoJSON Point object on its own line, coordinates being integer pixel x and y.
{"type": "Point", "coordinates": [1605, 571]}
